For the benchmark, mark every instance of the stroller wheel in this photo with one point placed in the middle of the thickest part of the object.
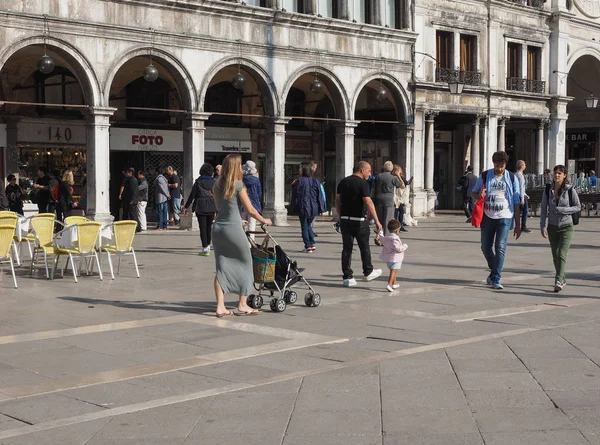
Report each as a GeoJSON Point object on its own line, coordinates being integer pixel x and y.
{"type": "Point", "coordinates": [290, 297]}
{"type": "Point", "coordinates": [278, 305]}
{"type": "Point", "coordinates": [255, 301]}
{"type": "Point", "coordinates": [308, 299]}
{"type": "Point", "coordinates": [316, 300]}
{"type": "Point", "coordinates": [250, 301]}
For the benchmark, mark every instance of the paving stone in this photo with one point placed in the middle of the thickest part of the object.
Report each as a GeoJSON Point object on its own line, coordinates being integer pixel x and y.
{"type": "Point", "coordinates": [497, 380]}
{"type": "Point", "coordinates": [235, 403]}
{"type": "Point", "coordinates": [560, 437]}
{"type": "Point", "coordinates": [251, 424]}
{"type": "Point", "coordinates": [178, 382]}
{"type": "Point", "coordinates": [520, 419]}
{"type": "Point", "coordinates": [171, 421]}
{"type": "Point", "coordinates": [401, 398]}
{"type": "Point", "coordinates": [335, 422]}
{"type": "Point", "coordinates": [560, 365]}
{"type": "Point", "coordinates": [10, 376]}
{"type": "Point", "coordinates": [491, 365]}
{"type": "Point", "coordinates": [335, 381]}
{"type": "Point", "coordinates": [572, 381]}
{"type": "Point", "coordinates": [238, 439]}
{"type": "Point", "coordinates": [586, 419]}
{"type": "Point", "coordinates": [8, 423]}
{"type": "Point", "coordinates": [166, 353]}
{"type": "Point", "coordinates": [518, 398]}
{"type": "Point", "coordinates": [428, 420]}
{"type": "Point", "coordinates": [235, 371]}
{"type": "Point", "coordinates": [286, 386]}
{"type": "Point", "coordinates": [325, 439]}
{"type": "Point", "coordinates": [115, 394]}
{"type": "Point", "coordinates": [78, 434]}
{"type": "Point", "coordinates": [286, 361]}
{"type": "Point", "coordinates": [338, 401]}
{"type": "Point", "coordinates": [237, 341]}
{"type": "Point", "coordinates": [46, 407]}
{"type": "Point", "coordinates": [424, 438]}
{"type": "Point", "coordinates": [566, 400]}
{"type": "Point", "coordinates": [489, 349]}
{"type": "Point", "coordinates": [411, 382]}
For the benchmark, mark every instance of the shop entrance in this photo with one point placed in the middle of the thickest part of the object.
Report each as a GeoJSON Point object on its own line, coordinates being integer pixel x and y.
{"type": "Point", "coordinates": [442, 175]}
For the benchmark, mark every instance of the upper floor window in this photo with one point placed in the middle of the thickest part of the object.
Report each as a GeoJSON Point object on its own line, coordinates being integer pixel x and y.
{"type": "Point", "coordinates": [533, 63]}
{"type": "Point", "coordinates": [468, 53]}
{"type": "Point", "coordinates": [58, 87]}
{"type": "Point", "coordinates": [394, 10]}
{"type": "Point", "coordinates": [444, 49]}
{"type": "Point", "coordinates": [293, 6]}
{"type": "Point", "coordinates": [514, 60]}
{"type": "Point", "coordinates": [522, 77]}
{"type": "Point", "coordinates": [360, 10]}
{"type": "Point", "coordinates": [259, 3]}
{"type": "Point", "coordinates": [328, 8]}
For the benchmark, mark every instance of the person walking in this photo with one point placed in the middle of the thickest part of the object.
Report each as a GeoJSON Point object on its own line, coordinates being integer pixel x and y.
{"type": "Point", "coordinates": [254, 189]}
{"type": "Point", "coordinates": [393, 253]}
{"type": "Point", "coordinates": [383, 194]}
{"type": "Point", "coordinates": [14, 194]}
{"type": "Point", "coordinates": [128, 195]}
{"type": "Point", "coordinates": [467, 182]}
{"type": "Point", "coordinates": [65, 196]}
{"type": "Point", "coordinates": [232, 252]}
{"type": "Point", "coordinates": [142, 201]}
{"type": "Point", "coordinates": [161, 195]}
{"type": "Point", "coordinates": [202, 202]}
{"type": "Point", "coordinates": [559, 202]}
{"type": "Point", "coordinates": [500, 189]}
{"type": "Point", "coordinates": [307, 202]}
{"type": "Point", "coordinates": [174, 203]}
{"type": "Point", "coordinates": [521, 166]}
{"type": "Point", "coordinates": [353, 204]}
{"type": "Point", "coordinates": [401, 198]}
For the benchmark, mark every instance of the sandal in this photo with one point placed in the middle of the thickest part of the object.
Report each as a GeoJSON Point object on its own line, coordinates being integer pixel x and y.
{"type": "Point", "coordinates": [248, 313]}
{"type": "Point", "coordinates": [225, 314]}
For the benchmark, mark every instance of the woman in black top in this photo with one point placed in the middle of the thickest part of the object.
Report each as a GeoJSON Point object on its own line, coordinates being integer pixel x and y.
{"type": "Point", "coordinates": [65, 197]}
{"type": "Point", "coordinates": [203, 205]}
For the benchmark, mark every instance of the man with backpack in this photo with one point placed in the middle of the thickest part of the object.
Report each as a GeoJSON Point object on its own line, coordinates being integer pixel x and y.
{"type": "Point", "coordinates": [466, 184]}
{"type": "Point", "coordinates": [502, 202]}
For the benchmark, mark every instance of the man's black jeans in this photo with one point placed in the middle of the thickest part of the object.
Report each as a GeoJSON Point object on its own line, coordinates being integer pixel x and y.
{"type": "Point", "coordinates": [360, 231]}
{"type": "Point", "coordinates": [468, 205]}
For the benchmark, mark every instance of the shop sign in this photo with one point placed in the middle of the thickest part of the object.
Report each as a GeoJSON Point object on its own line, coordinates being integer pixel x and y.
{"type": "Point", "coordinates": [2, 135]}
{"type": "Point", "coordinates": [143, 139]}
{"type": "Point", "coordinates": [226, 134]}
{"type": "Point", "coordinates": [443, 136]}
{"type": "Point", "coordinates": [298, 146]}
{"type": "Point", "coordinates": [228, 146]}
{"type": "Point", "coordinates": [51, 133]}
{"type": "Point", "coordinates": [581, 136]}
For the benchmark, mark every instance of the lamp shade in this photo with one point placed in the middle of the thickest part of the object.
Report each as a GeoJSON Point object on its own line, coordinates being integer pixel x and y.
{"type": "Point", "coordinates": [381, 94]}
{"type": "Point", "coordinates": [316, 86]}
{"type": "Point", "coordinates": [456, 87]}
{"type": "Point", "coordinates": [45, 64]}
{"type": "Point", "coordinates": [150, 73]}
{"type": "Point", "coordinates": [591, 101]}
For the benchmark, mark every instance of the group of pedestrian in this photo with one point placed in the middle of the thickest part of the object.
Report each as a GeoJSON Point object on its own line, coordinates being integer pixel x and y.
{"type": "Point", "coordinates": [53, 192]}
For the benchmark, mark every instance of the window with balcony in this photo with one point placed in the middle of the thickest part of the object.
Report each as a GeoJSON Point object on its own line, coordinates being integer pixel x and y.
{"type": "Point", "coordinates": [444, 56]}
{"type": "Point", "coordinates": [468, 60]}
{"type": "Point", "coordinates": [534, 70]}
{"type": "Point", "coordinates": [514, 80]}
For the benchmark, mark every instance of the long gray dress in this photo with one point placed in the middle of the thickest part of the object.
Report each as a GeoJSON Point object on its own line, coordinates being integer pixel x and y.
{"type": "Point", "coordinates": [232, 250]}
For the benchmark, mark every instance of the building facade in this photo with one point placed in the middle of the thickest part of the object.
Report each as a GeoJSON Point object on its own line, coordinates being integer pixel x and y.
{"type": "Point", "coordinates": [148, 84]}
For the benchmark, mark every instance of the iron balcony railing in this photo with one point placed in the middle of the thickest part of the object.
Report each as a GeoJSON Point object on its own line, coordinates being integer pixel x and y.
{"type": "Point", "coordinates": [526, 85]}
{"type": "Point", "coordinates": [531, 3]}
{"type": "Point", "coordinates": [467, 77]}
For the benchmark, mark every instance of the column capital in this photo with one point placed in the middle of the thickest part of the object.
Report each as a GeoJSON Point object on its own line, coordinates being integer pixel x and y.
{"type": "Point", "coordinates": [274, 120]}
{"type": "Point", "coordinates": [502, 120]}
{"type": "Point", "coordinates": [197, 115]}
{"type": "Point", "coordinates": [346, 124]}
{"type": "Point", "coordinates": [543, 122]}
{"type": "Point", "coordinates": [99, 111]}
{"type": "Point", "coordinates": [430, 115]}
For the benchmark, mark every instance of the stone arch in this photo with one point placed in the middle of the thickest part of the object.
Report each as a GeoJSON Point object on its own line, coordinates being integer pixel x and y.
{"type": "Point", "coordinates": [330, 80]}
{"type": "Point", "coordinates": [401, 98]}
{"type": "Point", "coordinates": [260, 75]}
{"type": "Point", "coordinates": [174, 67]}
{"type": "Point", "coordinates": [82, 68]}
{"type": "Point", "coordinates": [587, 51]}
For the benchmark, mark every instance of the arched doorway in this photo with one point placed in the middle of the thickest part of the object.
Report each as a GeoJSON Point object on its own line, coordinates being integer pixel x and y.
{"type": "Point", "coordinates": [315, 105]}
{"type": "Point", "coordinates": [582, 139]}
{"type": "Point", "coordinates": [146, 128]}
{"type": "Point", "coordinates": [43, 112]}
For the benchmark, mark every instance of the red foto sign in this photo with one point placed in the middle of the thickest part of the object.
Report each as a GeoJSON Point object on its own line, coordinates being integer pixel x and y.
{"type": "Point", "coordinates": [143, 139]}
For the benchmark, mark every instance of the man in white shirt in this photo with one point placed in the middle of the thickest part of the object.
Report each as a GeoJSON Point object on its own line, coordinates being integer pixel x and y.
{"type": "Point", "coordinates": [521, 166]}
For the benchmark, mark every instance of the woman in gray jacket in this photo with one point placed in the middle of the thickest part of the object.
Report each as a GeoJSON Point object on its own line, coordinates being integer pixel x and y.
{"type": "Point", "coordinates": [161, 195]}
{"type": "Point", "coordinates": [559, 203]}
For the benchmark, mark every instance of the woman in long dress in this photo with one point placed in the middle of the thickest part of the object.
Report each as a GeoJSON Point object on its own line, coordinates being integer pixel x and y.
{"type": "Point", "coordinates": [231, 247]}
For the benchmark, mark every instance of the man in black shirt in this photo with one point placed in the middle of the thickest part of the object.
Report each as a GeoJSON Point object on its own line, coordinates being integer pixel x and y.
{"type": "Point", "coordinates": [129, 195]}
{"type": "Point", "coordinates": [175, 190]}
{"type": "Point", "coordinates": [352, 203]}
{"type": "Point", "coordinates": [43, 191]}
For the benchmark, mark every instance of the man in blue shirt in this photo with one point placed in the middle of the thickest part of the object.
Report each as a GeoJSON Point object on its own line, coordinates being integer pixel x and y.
{"type": "Point", "coordinates": [500, 189]}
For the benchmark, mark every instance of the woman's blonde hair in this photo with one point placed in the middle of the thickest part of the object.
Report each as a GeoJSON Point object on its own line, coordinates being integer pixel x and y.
{"type": "Point", "coordinates": [68, 177]}
{"type": "Point", "coordinates": [231, 173]}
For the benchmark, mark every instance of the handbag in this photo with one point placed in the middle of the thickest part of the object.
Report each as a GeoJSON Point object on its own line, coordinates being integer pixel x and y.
{"type": "Point", "coordinates": [477, 213]}
{"type": "Point", "coordinates": [263, 261]}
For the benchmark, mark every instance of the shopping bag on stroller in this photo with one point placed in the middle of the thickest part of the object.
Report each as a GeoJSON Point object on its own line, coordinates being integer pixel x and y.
{"type": "Point", "coordinates": [263, 261]}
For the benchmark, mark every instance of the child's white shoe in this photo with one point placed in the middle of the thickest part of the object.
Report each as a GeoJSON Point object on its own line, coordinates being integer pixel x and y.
{"type": "Point", "coordinates": [395, 286]}
{"type": "Point", "coordinates": [389, 288]}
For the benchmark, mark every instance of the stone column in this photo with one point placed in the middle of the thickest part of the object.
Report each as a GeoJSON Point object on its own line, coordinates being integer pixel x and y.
{"type": "Point", "coordinates": [429, 158]}
{"type": "Point", "coordinates": [558, 129]}
{"type": "Point", "coordinates": [274, 185]}
{"type": "Point", "coordinates": [402, 143]}
{"type": "Point", "coordinates": [484, 142]}
{"type": "Point", "coordinates": [539, 158]}
{"type": "Point", "coordinates": [98, 170]}
{"type": "Point", "coordinates": [475, 147]}
{"type": "Point", "coordinates": [492, 143]}
{"type": "Point", "coordinates": [193, 152]}
{"type": "Point", "coordinates": [502, 133]}
{"type": "Point", "coordinates": [344, 149]}
{"type": "Point", "coordinates": [11, 158]}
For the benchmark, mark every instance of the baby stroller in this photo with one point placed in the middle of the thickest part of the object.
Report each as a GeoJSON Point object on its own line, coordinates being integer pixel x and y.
{"type": "Point", "coordinates": [274, 275]}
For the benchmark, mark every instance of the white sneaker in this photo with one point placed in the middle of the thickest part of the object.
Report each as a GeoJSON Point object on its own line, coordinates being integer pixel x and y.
{"type": "Point", "coordinates": [350, 282]}
{"type": "Point", "coordinates": [389, 288]}
{"type": "Point", "coordinates": [395, 286]}
{"type": "Point", "coordinates": [373, 275]}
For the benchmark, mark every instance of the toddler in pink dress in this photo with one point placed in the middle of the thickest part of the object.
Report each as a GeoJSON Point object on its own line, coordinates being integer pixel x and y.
{"type": "Point", "coordinates": [393, 252]}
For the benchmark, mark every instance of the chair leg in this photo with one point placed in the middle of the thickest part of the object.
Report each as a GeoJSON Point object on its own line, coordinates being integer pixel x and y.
{"type": "Point", "coordinates": [34, 256]}
{"type": "Point", "coordinates": [29, 248]}
{"type": "Point", "coordinates": [12, 269]}
{"type": "Point", "coordinates": [14, 246]}
{"type": "Point", "coordinates": [46, 264]}
{"type": "Point", "coordinates": [137, 271]}
{"type": "Point", "coordinates": [73, 266]}
{"type": "Point", "coordinates": [56, 260]}
{"type": "Point", "coordinates": [119, 266]}
{"type": "Point", "coordinates": [110, 266]}
{"type": "Point", "coordinates": [98, 263]}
